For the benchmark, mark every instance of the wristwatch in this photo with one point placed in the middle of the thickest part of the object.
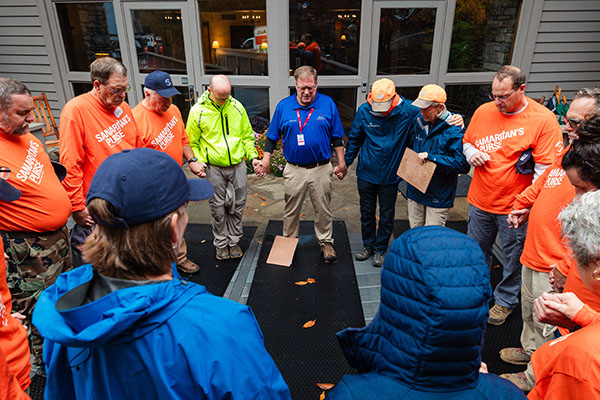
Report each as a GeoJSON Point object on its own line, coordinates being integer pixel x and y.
{"type": "Point", "coordinates": [192, 159]}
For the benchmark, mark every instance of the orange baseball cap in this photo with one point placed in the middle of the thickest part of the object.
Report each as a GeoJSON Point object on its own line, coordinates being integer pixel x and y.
{"type": "Point", "coordinates": [430, 94]}
{"type": "Point", "coordinates": [382, 94]}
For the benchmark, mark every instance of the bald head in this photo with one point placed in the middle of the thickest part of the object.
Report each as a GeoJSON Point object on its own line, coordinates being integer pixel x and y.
{"type": "Point", "coordinates": [219, 89]}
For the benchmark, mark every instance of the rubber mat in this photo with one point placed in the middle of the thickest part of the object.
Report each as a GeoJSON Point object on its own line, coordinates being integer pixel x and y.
{"type": "Point", "coordinates": [462, 186]}
{"type": "Point", "coordinates": [37, 387]}
{"type": "Point", "coordinates": [496, 337]}
{"type": "Point", "coordinates": [401, 225]}
{"type": "Point", "coordinates": [213, 274]}
{"type": "Point", "coordinates": [306, 356]}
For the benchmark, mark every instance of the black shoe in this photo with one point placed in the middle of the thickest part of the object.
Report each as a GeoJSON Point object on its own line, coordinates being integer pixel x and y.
{"type": "Point", "coordinates": [364, 254]}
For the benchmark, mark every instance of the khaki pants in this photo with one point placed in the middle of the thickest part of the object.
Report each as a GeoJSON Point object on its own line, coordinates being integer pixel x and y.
{"type": "Point", "coordinates": [317, 181]}
{"type": "Point", "coordinates": [419, 215]}
{"type": "Point", "coordinates": [227, 224]}
{"type": "Point", "coordinates": [534, 333]}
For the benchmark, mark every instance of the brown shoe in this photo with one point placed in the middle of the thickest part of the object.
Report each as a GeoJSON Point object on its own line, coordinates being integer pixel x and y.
{"type": "Point", "coordinates": [498, 314]}
{"type": "Point", "coordinates": [515, 355]}
{"type": "Point", "coordinates": [235, 252]}
{"type": "Point", "coordinates": [520, 380]}
{"type": "Point", "coordinates": [328, 252]}
{"type": "Point", "coordinates": [223, 253]}
{"type": "Point", "coordinates": [188, 267]}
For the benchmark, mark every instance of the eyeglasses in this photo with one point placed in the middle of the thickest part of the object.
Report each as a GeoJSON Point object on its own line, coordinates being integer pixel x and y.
{"type": "Point", "coordinates": [573, 123]}
{"type": "Point", "coordinates": [119, 91]}
{"type": "Point", "coordinates": [501, 98]}
{"type": "Point", "coordinates": [303, 88]}
{"type": "Point", "coordinates": [4, 172]}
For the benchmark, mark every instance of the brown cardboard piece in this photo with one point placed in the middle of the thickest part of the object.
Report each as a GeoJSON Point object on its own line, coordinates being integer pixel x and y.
{"type": "Point", "coordinates": [282, 251]}
{"type": "Point", "coordinates": [413, 172]}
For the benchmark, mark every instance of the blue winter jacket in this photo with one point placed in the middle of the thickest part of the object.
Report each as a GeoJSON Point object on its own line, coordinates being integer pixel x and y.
{"type": "Point", "coordinates": [381, 141]}
{"type": "Point", "coordinates": [443, 143]}
{"type": "Point", "coordinates": [425, 341]}
{"type": "Point", "coordinates": [169, 340]}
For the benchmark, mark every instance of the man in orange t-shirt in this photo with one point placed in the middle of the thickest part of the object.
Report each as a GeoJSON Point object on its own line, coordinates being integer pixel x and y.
{"type": "Point", "coordinates": [544, 248]}
{"type": "Point", "coordinates": [14, 348]}
{"type": "Point", "coordinates": [499, 132]}
{"type": "Point", "coordinates": [93, 126]}
{"type": "Point", "coordinates": [33, 227]}
{"type": "Point", "coordinates": [161, 127]}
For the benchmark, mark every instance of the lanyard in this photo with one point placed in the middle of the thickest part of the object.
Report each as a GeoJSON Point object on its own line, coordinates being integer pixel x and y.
{"type": "Point", "coordinates": [300, 124]}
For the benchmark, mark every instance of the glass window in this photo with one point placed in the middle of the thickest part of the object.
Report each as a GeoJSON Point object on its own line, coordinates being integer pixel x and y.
{"type": "Point", "coordinates": [409, 93]}
{"type": "Point", "coordinates": [81, 87]}
{"type": "Point", "coordinates": [345, 100]}
{"type": "Point", "coordinates": [405, 41]}
{"type": "Point", "coordinates": [234, 39]}
{"type": "Point", "coordinates": [255, 100]}
{"type": "Point", "coordinates": [158, 38]}
{"type": "Point", "coordinates": [464, 99]}
{"type": "Point", "coordinates": [483, 34]}
{"type": "Point", "coordinates": [182, 101]}
{"type": "Point", "coordinates": [324, 34]}
{"type": "Point", "coordinates": [89, 31]}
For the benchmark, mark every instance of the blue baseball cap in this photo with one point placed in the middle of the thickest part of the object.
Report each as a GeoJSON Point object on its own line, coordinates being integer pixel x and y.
{"type": "Point", "coordinates": [144, 185]}
{"type": "Point", "coordinates": [162, 83]}
{"type": "Point", "coordinates": [8, 192]}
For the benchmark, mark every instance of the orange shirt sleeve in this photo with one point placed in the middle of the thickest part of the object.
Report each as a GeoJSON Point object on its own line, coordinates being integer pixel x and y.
{"type": "Point", "coordinates": [564, 387]}
{"type": "Point", "coordinates": [586, 316]}
{"type": "Point", "coordinates": [72, 154]}
{"type": "Point", "coordinates": [527, 197]}
{"type": "Point", "coordinates": [549, 137]}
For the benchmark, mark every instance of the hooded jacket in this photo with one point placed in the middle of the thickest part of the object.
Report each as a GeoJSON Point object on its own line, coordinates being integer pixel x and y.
{"type": "Point", "coordinates": [425, 341]}
{"type": "Point", "coordinates": [220, 136]}
{"type": "Point", "coordinates": [381, 140]}
{"type": "Point", "coordinates": [167, 340]}
{"type": "Point", "coordinates": [443, 143]}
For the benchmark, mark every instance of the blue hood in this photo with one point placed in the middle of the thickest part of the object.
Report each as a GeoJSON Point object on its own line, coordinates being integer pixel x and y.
{"type": "Point", "coordinates": [428, 332]}
{"type": "Point", "coordinates": [124, 315]}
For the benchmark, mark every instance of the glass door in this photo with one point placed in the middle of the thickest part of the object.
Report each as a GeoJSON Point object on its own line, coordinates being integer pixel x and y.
{"type": "Point", "coordinates": [407, 43]}
{"type": "Point", "coordinates": [160, 37]}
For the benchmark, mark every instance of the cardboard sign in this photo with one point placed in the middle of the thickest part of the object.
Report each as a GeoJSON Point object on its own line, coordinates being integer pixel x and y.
{"type": "Point", "coordinates": [414, 172]}
{"type": "Point", "coordinates": [282, 251]}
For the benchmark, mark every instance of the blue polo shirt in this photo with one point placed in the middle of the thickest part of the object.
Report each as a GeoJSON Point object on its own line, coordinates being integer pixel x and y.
{"type": "Point", "coordinates": [323, 126]}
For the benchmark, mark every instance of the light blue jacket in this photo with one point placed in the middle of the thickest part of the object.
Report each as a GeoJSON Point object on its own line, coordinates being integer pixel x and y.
{"type": "Point", "coordinates": [169, 340]}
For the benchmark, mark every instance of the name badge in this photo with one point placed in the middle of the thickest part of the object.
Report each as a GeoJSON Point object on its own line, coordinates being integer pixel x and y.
{"type": "Point", "coordinates": [300, 140]}
{"type": "Point", "coordinates": [118, 112]}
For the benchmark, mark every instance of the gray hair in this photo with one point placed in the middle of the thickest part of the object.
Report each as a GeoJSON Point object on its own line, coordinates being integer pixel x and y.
{"type": "Point", "coordinates": [581, 227]}
{"type": "Point", "coordinates": [8, 88]}
{"type": "Point", "coordinates": [592, 93]}
{"type": "Point", "coordinates": [149, 91]}
{"type": "Point", "coordinates": [305, 71]}
{"type": "Point", "coordinates": [102, 68]}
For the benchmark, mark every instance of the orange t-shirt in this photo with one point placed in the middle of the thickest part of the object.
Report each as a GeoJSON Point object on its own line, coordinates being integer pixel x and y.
{"type": "Point", "coordinates": [44, 205]}
{"type": "Point", "coordinates": [164, 132]}
{"type": "Point", "coordinates": [13, 335]}
{"type": "Point", "coordinates": [89, 133]}
{"type": "Point", "coordinates": [568, 367]}
{"type": "Point", "coordinates": [9, 386]}
{"type": "Point", "coordinates": [504, 137]}
{"type": "Point", "coordinates": [546, 197]}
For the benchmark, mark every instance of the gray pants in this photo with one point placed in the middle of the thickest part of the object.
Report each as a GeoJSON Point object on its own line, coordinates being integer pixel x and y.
{"type": "Point", "coordinates": [227, 223]}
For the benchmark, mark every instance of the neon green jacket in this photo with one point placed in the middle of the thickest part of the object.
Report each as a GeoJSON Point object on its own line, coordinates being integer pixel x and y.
{"type": "Point", "coordinates": [220, 136]}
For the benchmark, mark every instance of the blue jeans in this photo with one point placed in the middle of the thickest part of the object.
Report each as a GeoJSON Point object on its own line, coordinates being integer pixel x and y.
{"type": "Point", "coordinates": [483, 227]}
{"type": "Point", "coordinates": [377, 238]}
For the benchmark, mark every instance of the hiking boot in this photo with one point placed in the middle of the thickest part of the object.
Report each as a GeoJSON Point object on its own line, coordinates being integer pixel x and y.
{"type": "Point", "coordinates": [188, 267]}
{"type": "Point", "coordinates": [515, 355]}
{"type": "Point", "coordinates": [328, 252]}
{"type": "Point", "coordinates": [377, 260]}
{"type": "Point", "coordinates": [223, 253]}
{"type": "Point", "coordinates": [498, 314]}
{"type": "Point", "coordinates": [520, 380]}
{"type": "Point", "coordinates": [364, 254]}
{"type": "Point", "coordinates": [235, 252]}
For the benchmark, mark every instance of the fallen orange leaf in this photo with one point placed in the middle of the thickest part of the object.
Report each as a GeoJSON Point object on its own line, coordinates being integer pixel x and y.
{"type": "Point", "coordinates": [310, 324]}
{"type": "Point", "coordinates": [263, 198]}
{"type": "Point", "coordinates": [302, 214]}
{"type": "Point", "coordinates": [496, 266]}
{"type": "Point", "coordinates": [325, 386]}
{"type": "Point", "coordinates": [346, 208]}
{"type": "Point", "coordinates": [263, 204]}
{"type": "Point", "coordinates": [255, 194]}
{"type": "Point", "coordinates": [203, 241]}
{"type": "Point", "coordinates": [322, 396]}
{"type": "Point", "coordinates": [301, 283]}
{"type": "Point", "coordinates": [310, 280]}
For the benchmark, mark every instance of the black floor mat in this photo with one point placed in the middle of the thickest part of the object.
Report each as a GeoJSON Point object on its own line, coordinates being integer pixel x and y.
{"type": "Point", "coordinates": [462, 186]}
{"type": "Point", "coordinates": [36, 388]}
{"type": "Point", "coordinates": [213, 274]}
{"type": "Point", "coordinates": [496, 337]}
{"type": "Point", "coordinates": [401, 225]}
{"type": "Point", "coordinates": [306, 356]}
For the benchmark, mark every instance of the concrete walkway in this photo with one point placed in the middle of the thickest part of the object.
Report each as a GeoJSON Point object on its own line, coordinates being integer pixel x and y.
{"type": "Point", "coordinates": [265, 201]}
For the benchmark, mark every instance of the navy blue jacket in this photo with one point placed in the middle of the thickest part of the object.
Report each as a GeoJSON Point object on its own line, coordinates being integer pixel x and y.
{"type": "Point", "coordinates": [425, 341]}
{"type": "Point", "coordinates": [443, 144]}
{"type": "Point", "coordinates": [381, 141]}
